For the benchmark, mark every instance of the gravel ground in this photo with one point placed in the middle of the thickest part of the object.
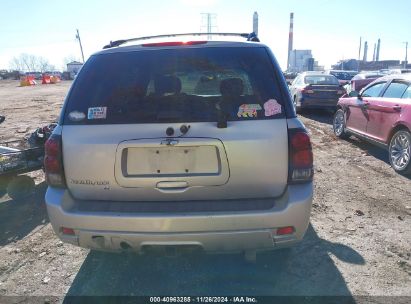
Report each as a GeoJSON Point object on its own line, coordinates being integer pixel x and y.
{"type": "Point", "coordinates": [358, 242]}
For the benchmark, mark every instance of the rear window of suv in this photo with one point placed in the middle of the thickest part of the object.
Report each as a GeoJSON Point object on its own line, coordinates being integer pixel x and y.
{"type": "Point", "coordinates": [175, 85]}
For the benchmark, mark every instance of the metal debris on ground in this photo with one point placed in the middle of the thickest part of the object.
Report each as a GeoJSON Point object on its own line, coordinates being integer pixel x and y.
{"type": "Point", "coordinates": [359, 213]}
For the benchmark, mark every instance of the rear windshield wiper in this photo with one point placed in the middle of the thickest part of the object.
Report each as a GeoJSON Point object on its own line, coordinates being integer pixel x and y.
{"type": "Point", "coordinates": [222, 117]}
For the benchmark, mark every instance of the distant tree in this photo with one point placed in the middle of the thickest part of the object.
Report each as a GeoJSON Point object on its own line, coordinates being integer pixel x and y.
{"type": "Point", "coordinates": [16, 64]}
{"type": "Point", "coordinates": [30, 63]}
{"type": "Point", "coordinates": [44, 65]}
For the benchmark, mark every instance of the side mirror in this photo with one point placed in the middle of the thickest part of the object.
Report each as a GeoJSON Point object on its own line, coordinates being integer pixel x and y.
{"type": "Point", "coordinates": [354, 94]}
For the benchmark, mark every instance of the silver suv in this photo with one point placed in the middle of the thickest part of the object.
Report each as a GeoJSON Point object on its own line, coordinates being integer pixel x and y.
{"type": "Point", "coordinates": [180, 145]}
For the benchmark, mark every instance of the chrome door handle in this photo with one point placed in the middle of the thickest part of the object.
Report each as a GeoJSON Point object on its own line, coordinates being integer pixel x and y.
{"type": "Point", "coordinates": [397, 108]}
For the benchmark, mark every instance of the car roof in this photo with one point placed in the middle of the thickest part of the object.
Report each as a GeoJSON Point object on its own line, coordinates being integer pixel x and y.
{"type": "Point", "coordinates": [314, 73]}
{"type": "Point", "coordinates": [367, 75]}
{"type": "Point", "coordinates": [207, 44]}
{"type": "Point", "coordinates": [406, 76]}
{"type": "Point", "coordinates": [342, 71]}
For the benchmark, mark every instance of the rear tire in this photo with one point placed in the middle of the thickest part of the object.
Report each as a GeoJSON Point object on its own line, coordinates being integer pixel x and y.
{"type": "Point", "coordinates": [20, 187]}
{"type": "Point", "coordinates": [4, 181]}
{"type": "Point", "coordinates": [400, 152]}
{"type": "Point", "coordinates": [296, 107]}
{"type": "Point", "coordinates": [339, 125]}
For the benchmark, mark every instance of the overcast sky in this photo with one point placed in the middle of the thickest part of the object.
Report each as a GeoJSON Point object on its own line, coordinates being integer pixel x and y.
{"type": "Point", "coordinates": [331, 29]}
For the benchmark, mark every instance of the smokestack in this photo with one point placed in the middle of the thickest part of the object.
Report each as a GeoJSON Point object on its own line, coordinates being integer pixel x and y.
{"type": "Point", "coordinates": [290, 38]}
{"type": "Point", "coordinates": [255, 23]}
{"type": "Point", "coordinates": [373, 54]}
{"type": "Point", "coordinates": [365, 51]}
{"type": "Point", "coordinates": [377, 56]}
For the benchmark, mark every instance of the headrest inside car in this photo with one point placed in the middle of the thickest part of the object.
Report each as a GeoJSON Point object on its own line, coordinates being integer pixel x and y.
{"type": "Point", "coordinates": [231, 87]}
{"type": "Point", "coordinates": [167, 84]}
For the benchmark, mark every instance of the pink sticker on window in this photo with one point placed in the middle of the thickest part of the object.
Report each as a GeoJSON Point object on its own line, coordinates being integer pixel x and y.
{"type": "Point", "coordinates": [272, 107]}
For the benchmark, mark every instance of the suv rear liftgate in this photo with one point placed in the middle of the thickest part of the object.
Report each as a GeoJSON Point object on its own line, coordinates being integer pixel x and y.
{"type": "Point", "coordinates": [162, 143]}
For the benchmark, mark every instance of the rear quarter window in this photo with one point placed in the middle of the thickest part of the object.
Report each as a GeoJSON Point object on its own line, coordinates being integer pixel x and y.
{"type": "Point", "coordinates": [176, 85]}
{"type": "Point", "coordinates": [395, 90]}
{"type": "Point", "coordinates": [407, 93]}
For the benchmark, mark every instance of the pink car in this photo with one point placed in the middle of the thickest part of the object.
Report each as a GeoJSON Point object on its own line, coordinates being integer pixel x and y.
{"type": "Point", "coordinates": [381, 114]}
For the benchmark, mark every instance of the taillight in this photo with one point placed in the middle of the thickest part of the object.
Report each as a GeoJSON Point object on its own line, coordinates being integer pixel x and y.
{"type": "Point", "coordinates": [300, 157]}
{"type": "Point", "coordinates": [67, 231]}
{"type": "Point", "coordinates": [174, 43]}
{"type": "Point", "coordinates": [306, 90]}
{"type": "Point", "coordinates": [53, 162]}
{"type": "Point", "coordinates": [285, 230]}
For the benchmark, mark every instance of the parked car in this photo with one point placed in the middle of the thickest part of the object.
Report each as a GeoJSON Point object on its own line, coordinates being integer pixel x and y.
{"type": "Point", "coordinates": [361, 80]}
{"type": "Point", "coordinates": [344, 77]}
{"type": "Point", "coordinates": [157, 154]}
{"type": "Point", "coordinates": [381, 114]}
{"type": "Point", "coordinates": [52, 73]}
{"type": "Point", "coordinates": [289, 77]}
{"type": "Point", "coordinates": [316, 90]}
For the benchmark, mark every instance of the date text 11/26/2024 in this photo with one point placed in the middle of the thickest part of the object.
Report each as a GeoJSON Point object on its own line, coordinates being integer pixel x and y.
{"type": "Point", "coordinates": [203, 299]}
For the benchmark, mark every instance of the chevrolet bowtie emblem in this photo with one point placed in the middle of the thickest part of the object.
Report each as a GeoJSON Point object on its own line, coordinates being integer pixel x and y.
{"type": "Point", "coordinates": [169, 142]}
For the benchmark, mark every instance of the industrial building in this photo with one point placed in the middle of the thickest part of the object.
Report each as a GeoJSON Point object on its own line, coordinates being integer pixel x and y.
{"type": "Point", "coordinates": [354, 64]}
{"type": "Point", "coordinates": [301, 61]}
{"type": "Point", "coordinates": [74, 67]}
{"type": "Point", "coordinates": [374, 65]}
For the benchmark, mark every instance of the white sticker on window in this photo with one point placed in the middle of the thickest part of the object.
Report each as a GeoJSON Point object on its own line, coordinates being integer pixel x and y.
{"type": "Point", "coordinates": [76, 116]}
{"type": "Point", "coordinates": [97, 113]}
{"type": "Point", "coordinates": [272, 107]}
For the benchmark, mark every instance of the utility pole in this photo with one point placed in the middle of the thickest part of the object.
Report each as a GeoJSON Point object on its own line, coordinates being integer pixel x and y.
{"type": "Point", "coordinates": [406, 54]}
{"type": "Point", "coordinates": [81, 47]}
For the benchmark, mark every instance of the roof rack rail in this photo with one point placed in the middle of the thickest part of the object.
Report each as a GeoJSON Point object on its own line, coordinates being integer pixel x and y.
{"type": "Point", "coordinates": [250, 37]}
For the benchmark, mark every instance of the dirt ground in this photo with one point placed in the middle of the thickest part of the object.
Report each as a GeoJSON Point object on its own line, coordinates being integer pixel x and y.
{"type": "Point", "coordinates": [358, 242]}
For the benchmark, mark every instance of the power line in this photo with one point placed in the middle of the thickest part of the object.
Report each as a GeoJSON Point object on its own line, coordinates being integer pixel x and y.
{"type": "Point", "coordinates": [208, 21]}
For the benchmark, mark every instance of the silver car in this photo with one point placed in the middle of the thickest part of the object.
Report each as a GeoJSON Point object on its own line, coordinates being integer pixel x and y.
{"type": "Point", "coordinates": [180, 145]}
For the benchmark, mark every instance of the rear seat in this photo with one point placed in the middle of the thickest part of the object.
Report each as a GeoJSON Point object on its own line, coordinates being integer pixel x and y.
{"type": "Point", "coordinates": [231, 90]}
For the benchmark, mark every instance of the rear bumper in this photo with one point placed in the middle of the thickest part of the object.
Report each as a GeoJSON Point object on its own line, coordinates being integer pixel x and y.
{"type": "Point", "coordinates": [318, 103]}
{"type": "Point", "coordinates": [212, 232]}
